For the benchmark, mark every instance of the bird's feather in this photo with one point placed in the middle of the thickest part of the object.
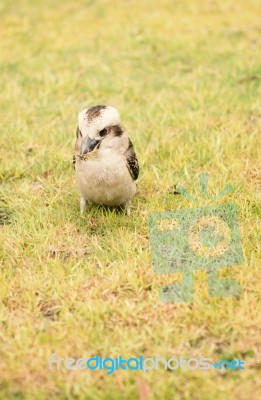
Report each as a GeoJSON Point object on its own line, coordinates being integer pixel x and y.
{"type": "Point", "coordinates": [132, 161]}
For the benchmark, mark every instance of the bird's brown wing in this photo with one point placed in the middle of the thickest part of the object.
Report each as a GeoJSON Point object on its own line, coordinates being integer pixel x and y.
{"type": "Point", "coordinates": [132, 161]}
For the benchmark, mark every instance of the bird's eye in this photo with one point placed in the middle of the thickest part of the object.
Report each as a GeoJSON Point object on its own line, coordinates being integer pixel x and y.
{"type": "Point", "coordinates": [103, 132]}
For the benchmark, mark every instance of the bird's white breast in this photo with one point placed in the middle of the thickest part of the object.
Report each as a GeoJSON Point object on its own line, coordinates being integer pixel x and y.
{"type": "Point", "coordinates": [103, 178]}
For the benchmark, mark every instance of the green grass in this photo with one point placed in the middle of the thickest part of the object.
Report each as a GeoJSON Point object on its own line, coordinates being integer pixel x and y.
{"type": "Point", "coordinates": [185, 77]}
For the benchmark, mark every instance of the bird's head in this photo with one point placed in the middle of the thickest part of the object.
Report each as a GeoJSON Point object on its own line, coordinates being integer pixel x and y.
{"type": "Point", "coordinates": [96, 126]}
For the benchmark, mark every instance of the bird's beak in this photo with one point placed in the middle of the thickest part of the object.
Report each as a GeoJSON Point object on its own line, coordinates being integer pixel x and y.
{"type": "Point", "coordinates": [88, 145]}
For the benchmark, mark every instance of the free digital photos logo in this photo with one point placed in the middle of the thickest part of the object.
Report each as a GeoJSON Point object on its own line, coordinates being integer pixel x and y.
{"type": "Point", "coordinates": [202, 238]}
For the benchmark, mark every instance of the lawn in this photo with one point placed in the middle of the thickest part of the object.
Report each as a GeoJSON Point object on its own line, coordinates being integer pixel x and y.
{"type": "Point", "coordinates": [185, 78]}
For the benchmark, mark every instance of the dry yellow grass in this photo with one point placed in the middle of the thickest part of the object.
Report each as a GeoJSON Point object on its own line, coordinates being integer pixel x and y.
{"type": "Point", "coordinates": [185, 77]}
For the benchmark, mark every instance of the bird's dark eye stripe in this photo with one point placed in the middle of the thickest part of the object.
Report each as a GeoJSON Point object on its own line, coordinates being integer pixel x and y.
{"type": "Point", "coordinates": [103, 132]}
{"type": "Point", "coordinates": [78, 132]}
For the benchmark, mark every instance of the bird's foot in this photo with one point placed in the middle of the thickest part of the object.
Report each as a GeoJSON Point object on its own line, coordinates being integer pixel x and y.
{"type": "Point", "coordinates": [127, 208]}
{"type": "Point", "coordinates": [83, 206]}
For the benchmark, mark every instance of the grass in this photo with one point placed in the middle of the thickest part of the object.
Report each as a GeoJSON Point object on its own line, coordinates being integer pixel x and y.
{"type": "Point", "coordinates": [185, 77]}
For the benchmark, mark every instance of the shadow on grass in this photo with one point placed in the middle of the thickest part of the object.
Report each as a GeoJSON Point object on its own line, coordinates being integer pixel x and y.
{"type": "Point", "coordinates": [5, 213]}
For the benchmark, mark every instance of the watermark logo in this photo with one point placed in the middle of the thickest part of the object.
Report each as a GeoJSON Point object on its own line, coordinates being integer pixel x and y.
{"type": "Point", "coordinates": [140, 363]}
{"type": "Point", "coordinates": [202, 238]}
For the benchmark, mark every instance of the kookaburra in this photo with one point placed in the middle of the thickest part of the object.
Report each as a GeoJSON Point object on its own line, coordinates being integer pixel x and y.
{"type": "Point", "coordinates": [105, 162]}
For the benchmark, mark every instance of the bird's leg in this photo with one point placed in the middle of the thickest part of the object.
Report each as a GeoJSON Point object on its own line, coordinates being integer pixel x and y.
{"type": "Point", "coordinates": [83, 205]}
{"type": "Point", "coordinates": [127, 208]}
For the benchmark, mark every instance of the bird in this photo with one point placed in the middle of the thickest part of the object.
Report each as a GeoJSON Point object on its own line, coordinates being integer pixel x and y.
{"type": "Point", "coordinates": [105, 162]}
